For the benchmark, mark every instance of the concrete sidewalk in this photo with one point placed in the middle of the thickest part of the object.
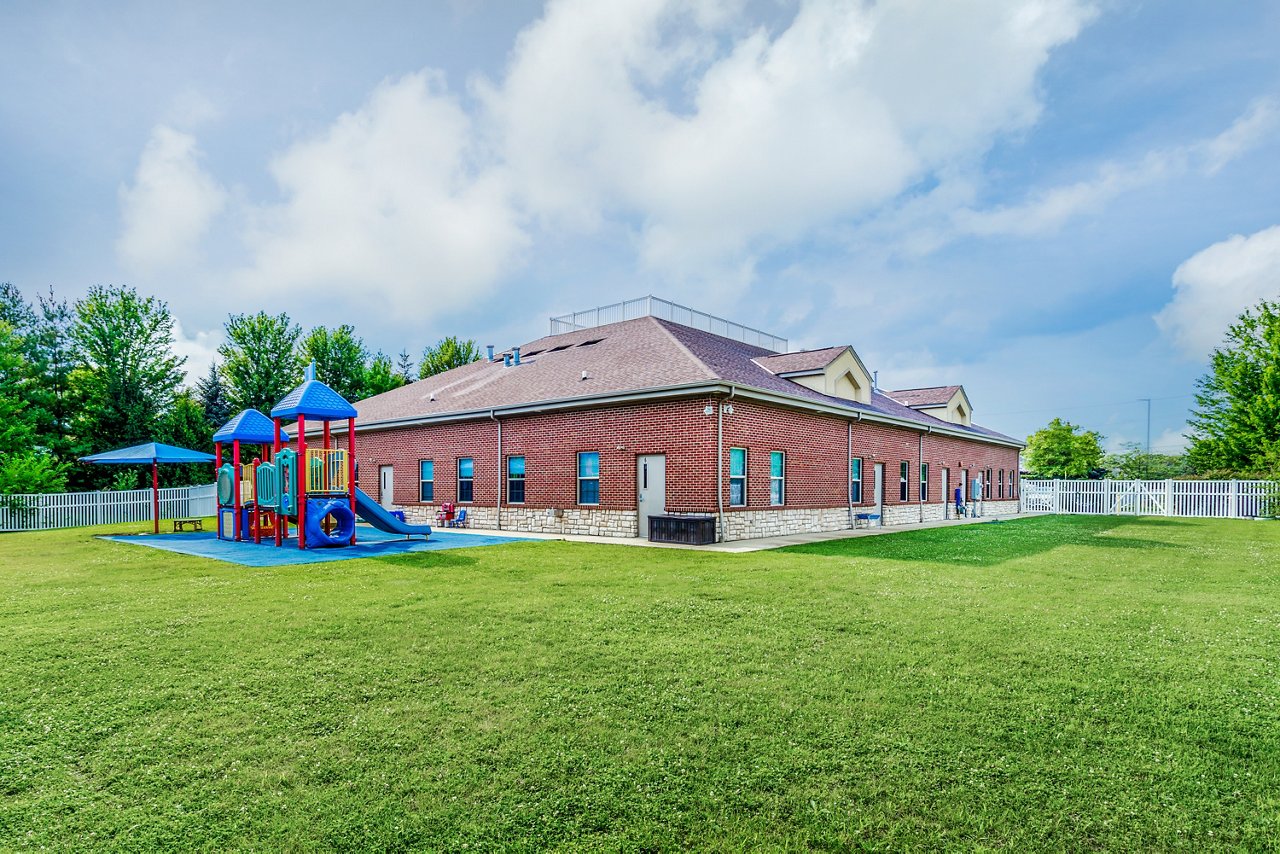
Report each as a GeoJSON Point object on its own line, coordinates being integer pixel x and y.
{"type": "Point", "coordinates": [756, 545]}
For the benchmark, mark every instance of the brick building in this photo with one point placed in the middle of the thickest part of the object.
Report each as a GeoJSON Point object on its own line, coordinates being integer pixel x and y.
{"type": "Point", "coordinates": [595, 429]}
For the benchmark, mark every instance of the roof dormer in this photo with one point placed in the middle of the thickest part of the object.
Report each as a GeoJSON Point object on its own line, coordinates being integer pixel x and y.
{"type": "Point", "coordinates": [834, 371]}
{"type": "Point", "coordinates": [947, 402]}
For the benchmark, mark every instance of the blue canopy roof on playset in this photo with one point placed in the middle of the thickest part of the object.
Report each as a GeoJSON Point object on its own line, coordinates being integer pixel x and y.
{"type": "Point", "coordinates": [151, 452]}
{"type": "Point", "coordinates": [313, 399]}
{"type": "Point", "coordinates": [249, 426]}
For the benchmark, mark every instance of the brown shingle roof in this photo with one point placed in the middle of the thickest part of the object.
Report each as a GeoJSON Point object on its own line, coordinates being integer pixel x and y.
{"type": "Point", "coordinates": [646, 354]}
{"type": "Point", "coordinates": [805, 360]}
{"type": "Point", "coordinates": [932, 396]}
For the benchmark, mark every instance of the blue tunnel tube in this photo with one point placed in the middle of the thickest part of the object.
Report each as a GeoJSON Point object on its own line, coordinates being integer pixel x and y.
{"type": "Point", "coordinates": [337, 508]}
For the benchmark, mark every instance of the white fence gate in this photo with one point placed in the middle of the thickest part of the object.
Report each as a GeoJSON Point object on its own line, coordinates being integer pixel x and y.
{"type": "Point", "coordinates": [73, 509]}
{"type": "Point", "coordinates": [1218, 499]}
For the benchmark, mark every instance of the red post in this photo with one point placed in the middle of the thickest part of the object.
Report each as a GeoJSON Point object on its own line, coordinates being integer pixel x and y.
{"type": "Point", "coordinates": [235, 477]}
{"type": "Point", "coordinates": [281, 519]}
{"type": "Point", "coordinates": [217, 463]}
{"type": "Point", "coordinates": [155, 496]}
{"type": "Point", "coordinates": [302, 482]}
{"type": "Point", "coordinates": [351, 470]}
{"type": "Point", "coordinates": [257, 510]}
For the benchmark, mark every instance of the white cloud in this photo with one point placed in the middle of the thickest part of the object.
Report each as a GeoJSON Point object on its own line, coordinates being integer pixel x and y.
{"type": "Point", "coordinates": [387, 208]}
{"type": "Point", "coordinates": [1052, 208]}
{"type": "Point", "coordinates": [1172, 441]}
{"type": "Point", "coordinates": [1212, 288]}
{"type": "Point", "coordinates": [200, 350]}
{"type": "Point", "coordinates": [840, 111]}
{"type": "Point", "coordinates": [169, 206]}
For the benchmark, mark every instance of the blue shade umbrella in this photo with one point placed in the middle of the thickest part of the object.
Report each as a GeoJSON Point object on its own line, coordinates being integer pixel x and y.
{"type": "Point", "coordinates": [152, 453]}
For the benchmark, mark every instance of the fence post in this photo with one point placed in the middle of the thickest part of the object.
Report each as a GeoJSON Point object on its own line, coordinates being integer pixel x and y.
{"type": "Point", "coordinates": [1057, 496]}
{"type": "Point", "coordinates": [1233, 510]}
{"type": "Point", "coordinates": [1168, 497]}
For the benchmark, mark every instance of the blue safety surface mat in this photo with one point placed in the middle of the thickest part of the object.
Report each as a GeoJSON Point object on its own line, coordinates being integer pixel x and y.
{"type": "Point", "coordinates": [369, 543]}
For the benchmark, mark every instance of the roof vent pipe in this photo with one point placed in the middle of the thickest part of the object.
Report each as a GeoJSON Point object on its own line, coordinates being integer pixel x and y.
{"type": "Point", "coordinates": [875, 380]}
{"type": "Point", "coordinates": [490, 349]}
{"type": "Point", "coordinates": [516, 352]}
{"type": "Point", "coordinates": [506, 360]}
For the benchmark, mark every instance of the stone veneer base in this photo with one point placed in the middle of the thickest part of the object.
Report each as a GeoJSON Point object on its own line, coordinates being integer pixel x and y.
{"type": "Point", "coordinates": [739, 524]}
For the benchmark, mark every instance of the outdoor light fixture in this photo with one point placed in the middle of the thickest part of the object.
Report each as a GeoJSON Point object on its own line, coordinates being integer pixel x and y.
{"type": "Point", "coordinates": [728, 409]}
{"type": "Point", "coordinates": [708, 410]}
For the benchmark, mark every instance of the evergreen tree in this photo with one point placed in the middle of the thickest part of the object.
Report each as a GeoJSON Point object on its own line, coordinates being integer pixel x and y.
{"type": "Point", "coordinates": [379, 377]}
{"type": "Point", "coordinates": [405, 367]}
{"type": "Point", "coordinates": [15, 310]}
{"type": "Point", "coordinates": [187, 425]}
{"type": "Point", "coordinates": [1063, 450]}
{"type": "Point", "coordinates": [1236, 421]}
{"type": "Point", "coordinates": [127, 374]}
{"type": "Point", "coordinates": [54, 357]}
{"type": "Point", "coordinates": [446, 354]}
{"type": "Point", "coordinates": [212, 396]}
{"type": "Point", "coordinates": [259, 360]}
{"type": "Point", "coordinates": [339, 356]}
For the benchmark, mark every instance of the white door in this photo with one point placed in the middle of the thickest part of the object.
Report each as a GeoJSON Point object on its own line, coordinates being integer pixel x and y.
{"type": "Point", "coordinates": [946, 495]}
{"type": "Point", "coordinates": [651, 489]}
{"type": "Point", "coordinates": [879, 493]}
{"type": "Point", "coordinates": [386, 486]}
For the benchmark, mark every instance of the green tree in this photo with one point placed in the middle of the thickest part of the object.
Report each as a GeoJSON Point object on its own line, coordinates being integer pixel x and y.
{"type": "Point", "coordinates": [17, 418]}
{"type": "Point", "coordinates": [15, 310]}
{"type": "Point", "coordinates": [1063, 450]}
{"type": "Point", "coordinates": [259, 359]}
{"type": "Point", "coordinates": [446, 354]}
{"type": "Point", "coordinates": [379, 377]}
{"type": "Point", "coordinates": [128, 375]}
{"type": "Point", "coordinates": [31, 471]}
{"type": "Point", "coordinates": [1235, 426]}
{"type": "Point", "coordinates": [186, 426]}
{"type": "Point", "coordinates": [213, 399]}
{"type": "Point", "coordinates": [1135, 464]}
{"type": "Point", "coordinates": [339, 356]}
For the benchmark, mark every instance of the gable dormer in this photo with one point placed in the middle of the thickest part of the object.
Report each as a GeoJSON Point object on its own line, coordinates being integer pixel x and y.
{"type": "Point", "coordinates": [834, 371]}
{"type": "Point", "coordinates": [947, 403]}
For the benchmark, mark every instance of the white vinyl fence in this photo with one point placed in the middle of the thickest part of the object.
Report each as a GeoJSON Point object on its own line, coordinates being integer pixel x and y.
{"type": "Point", "coordinates": [73, 509]}
{"type": "Point", "coordinates": [1220, 499]}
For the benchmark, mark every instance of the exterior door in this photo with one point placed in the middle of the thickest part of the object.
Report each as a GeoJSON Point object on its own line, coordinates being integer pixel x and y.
{"type": "Point", "coordinates": [946, 494]}
{"type": "Point", "coordinates": [651, 489]}
{"type": "Point", "coordinates": [386, 486]}
{"type": "Point", "coordinates": [879, 493]}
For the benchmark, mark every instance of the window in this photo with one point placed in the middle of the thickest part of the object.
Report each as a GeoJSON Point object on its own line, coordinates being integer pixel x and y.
{"type": "Point", "coordinates": [924, 481]}
{"type": "Point", "coordinates": [466, 478]}
{"type": "Point", "coordinates": [737, 477]}
{"type": "Point", "coordinates": [855, 480]}
{"type": "Point", "coordinates": [515, 480]}
{"type": "Point", "coordinates": [1000, 484]}
{"type": "Point", "coordinates": [589, 477]}
{"type": "Point", "coordinates": [777, 477]}
{"type": "Point", "coordinates": [427, 480]}
{"type": "Point", "coordinates": [903, 477]}
{"type": "Point", "coordinates": [986, 485]}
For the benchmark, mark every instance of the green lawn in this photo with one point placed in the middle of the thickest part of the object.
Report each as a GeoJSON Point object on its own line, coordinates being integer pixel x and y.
{"type": "Point", "coordinates": [1046, 683]}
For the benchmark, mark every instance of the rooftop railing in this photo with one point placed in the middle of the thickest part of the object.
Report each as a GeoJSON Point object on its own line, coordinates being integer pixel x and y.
{"type": "Point", "coordinates": [652, 306]}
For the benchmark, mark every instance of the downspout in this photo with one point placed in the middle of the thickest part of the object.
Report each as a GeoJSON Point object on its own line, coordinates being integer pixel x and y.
{"type": "Point", "coordinates": [920, 468]}
{"type": "Point", "coordinates": [720, 467]}
{"type": "Point", "coordinates": [848, 462]}
{"type": "Point", "coordinates": [501, 466]}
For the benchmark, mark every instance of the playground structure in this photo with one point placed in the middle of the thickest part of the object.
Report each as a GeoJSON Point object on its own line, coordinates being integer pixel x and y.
{"type": "Point", "coordinates": [312, 488]}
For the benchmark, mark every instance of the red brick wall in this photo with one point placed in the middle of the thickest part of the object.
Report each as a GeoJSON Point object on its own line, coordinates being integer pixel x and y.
{"type": "Point", "coordinates": [816, 462]}
{"type": "Point", "coordinates": [550, 444]}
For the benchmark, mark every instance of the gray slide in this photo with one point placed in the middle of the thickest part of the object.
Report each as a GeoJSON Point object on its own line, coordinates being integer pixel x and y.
{"type": "Point", "coordinates": [379, 517]}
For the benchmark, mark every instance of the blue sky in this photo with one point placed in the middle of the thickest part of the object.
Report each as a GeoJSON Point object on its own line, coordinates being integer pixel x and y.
{"type": "Point", "coordinates": [1058, 204]}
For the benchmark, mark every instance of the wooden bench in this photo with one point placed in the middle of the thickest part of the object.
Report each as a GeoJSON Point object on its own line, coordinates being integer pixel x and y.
{"type": "Point", "coordinates": [181, 524]}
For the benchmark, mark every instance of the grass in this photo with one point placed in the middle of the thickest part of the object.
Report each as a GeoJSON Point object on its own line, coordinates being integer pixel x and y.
{"type": "Point", "coordinates": [1058, 682]}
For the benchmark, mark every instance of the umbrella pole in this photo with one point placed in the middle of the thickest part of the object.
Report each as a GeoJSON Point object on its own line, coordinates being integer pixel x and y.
{"type": "Point", "coordinates": [155, 496]}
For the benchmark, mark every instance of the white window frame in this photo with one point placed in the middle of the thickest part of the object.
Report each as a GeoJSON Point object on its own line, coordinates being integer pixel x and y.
{"type": "Point", "coordinates": [780, 479]}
